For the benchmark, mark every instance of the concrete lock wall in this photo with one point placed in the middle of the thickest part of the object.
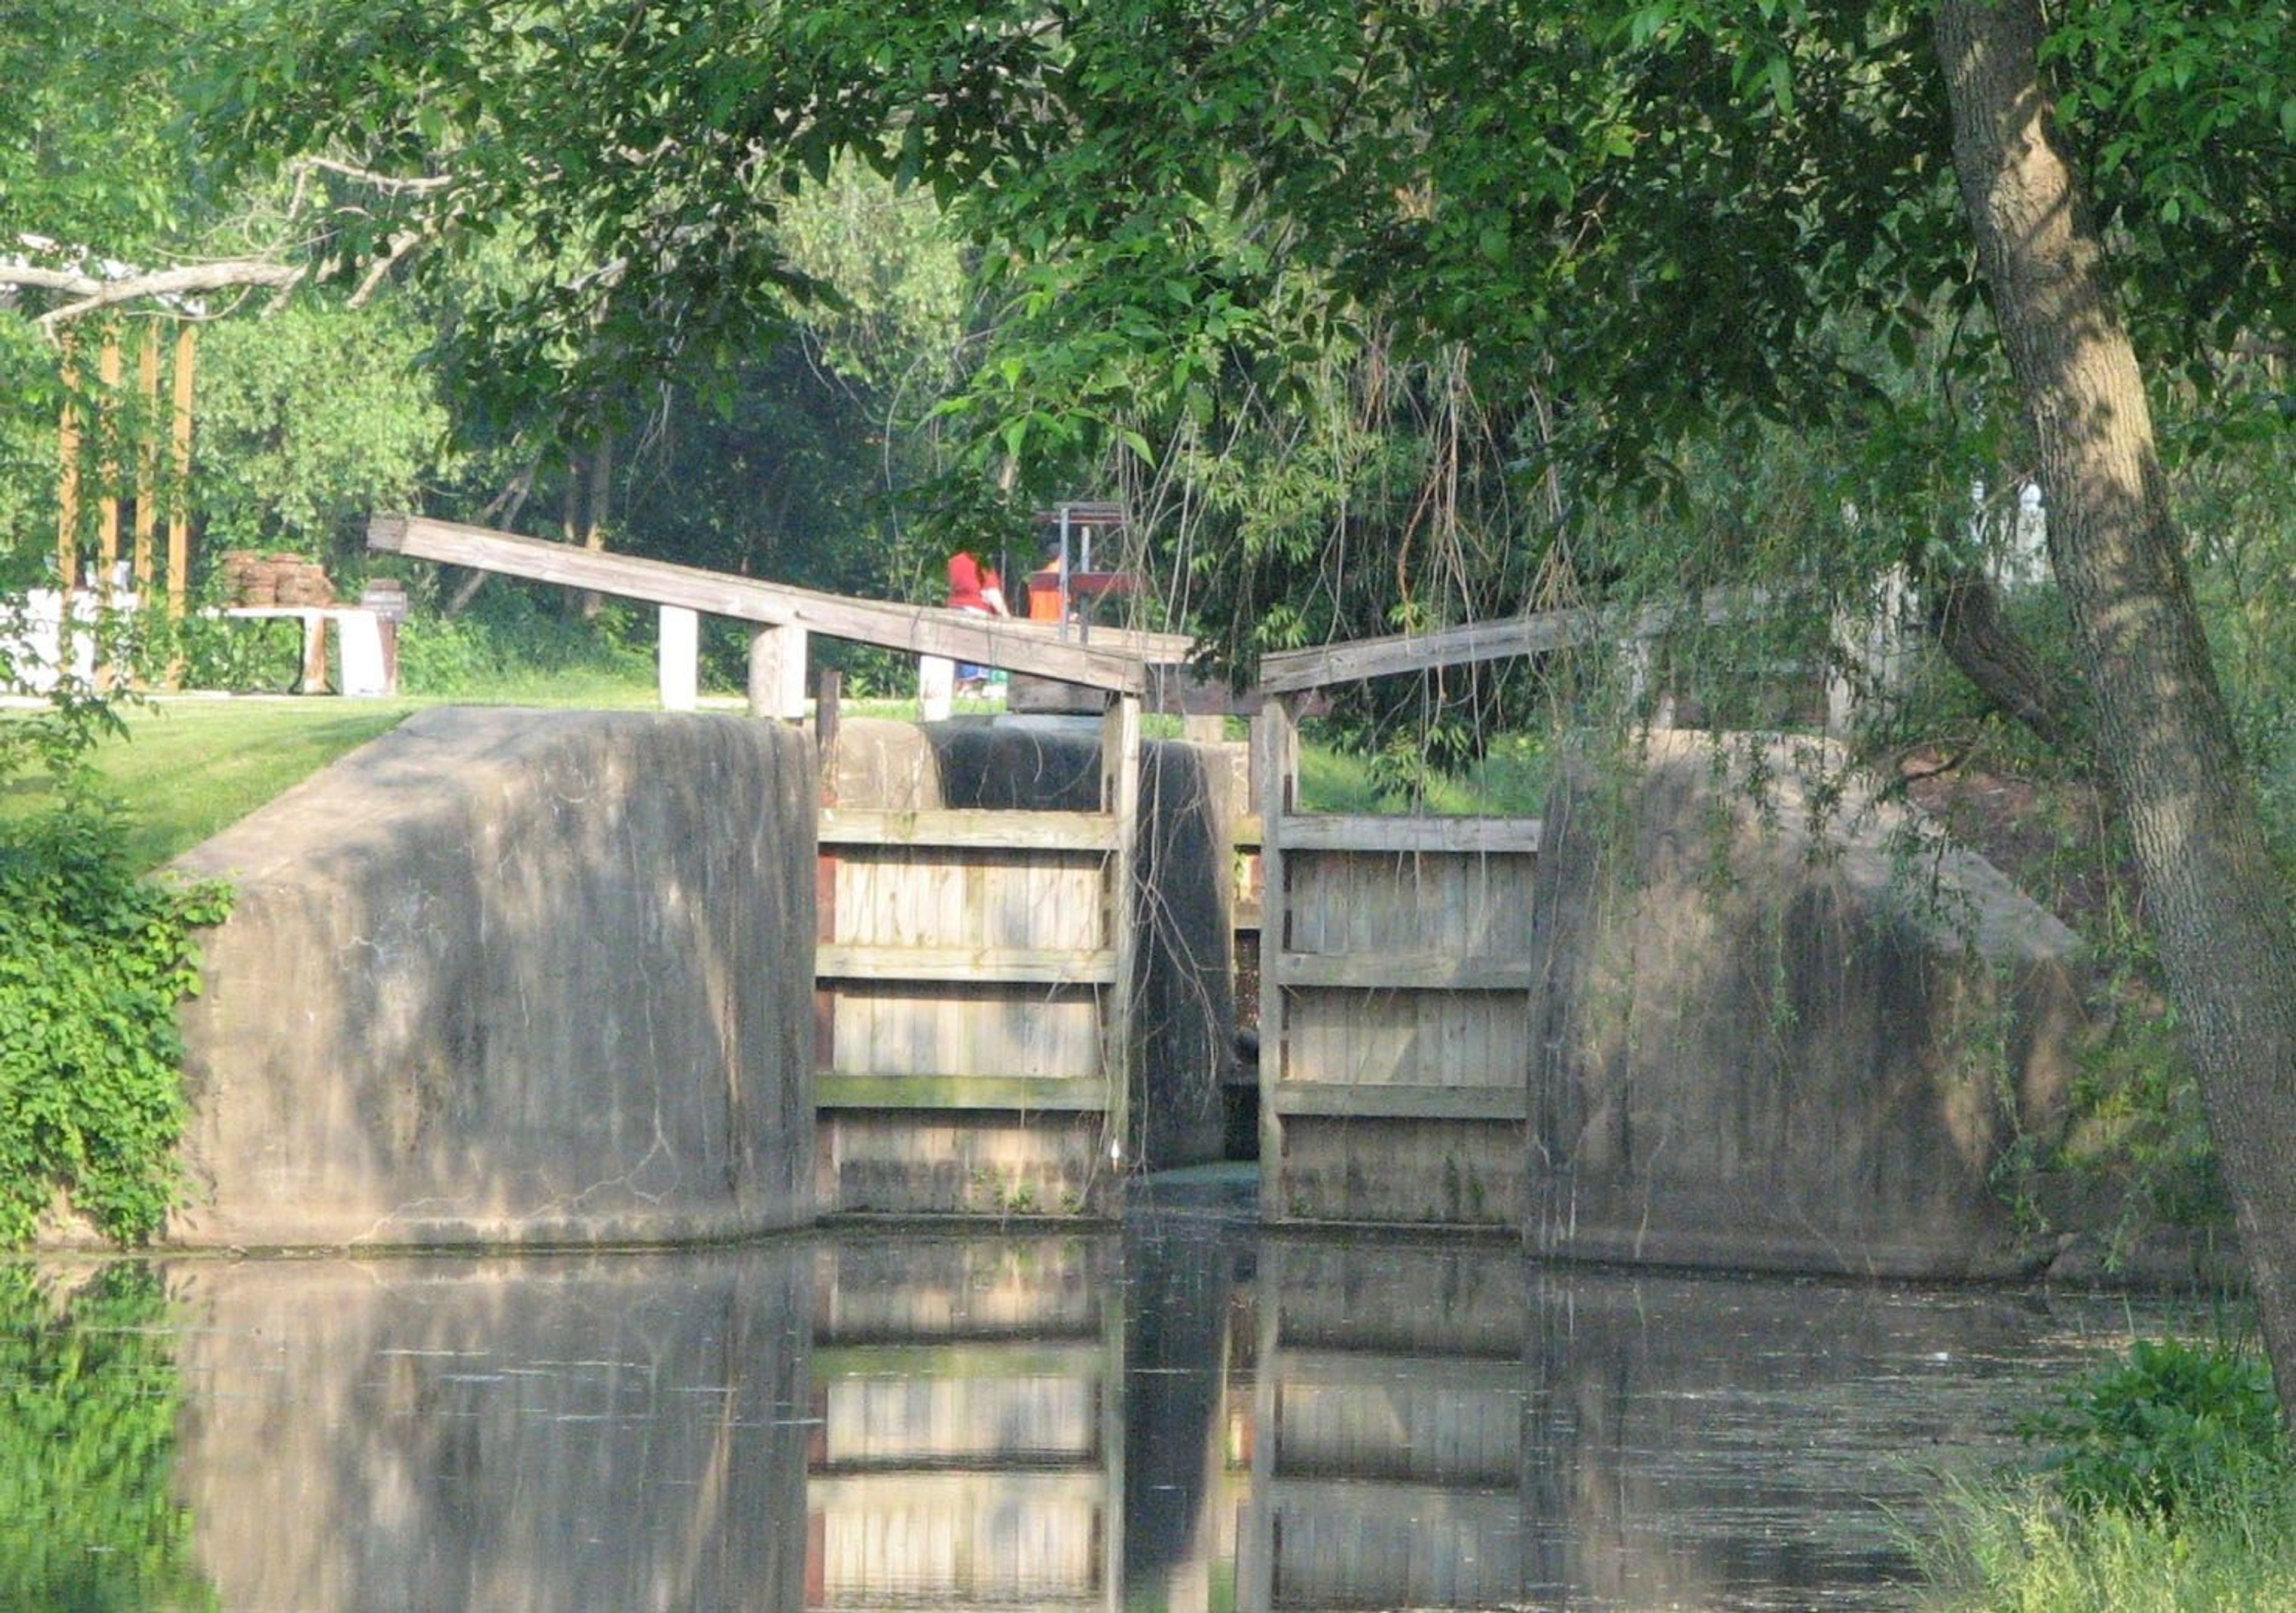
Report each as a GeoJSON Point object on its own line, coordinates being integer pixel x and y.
{"type": "Point", "coordinates": [1789, 1035]}
{"type": "Point", "coordinates": [513, 976]}
{"type": "Point", "coordinates": [933, 1161]}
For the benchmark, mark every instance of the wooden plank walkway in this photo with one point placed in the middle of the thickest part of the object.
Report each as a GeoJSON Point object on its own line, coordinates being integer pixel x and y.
{"type": "Point", "coordinates": [1296, 672]}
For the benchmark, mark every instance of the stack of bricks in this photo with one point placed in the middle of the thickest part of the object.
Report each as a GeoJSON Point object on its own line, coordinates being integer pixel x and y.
{"type": "Point", "coordinates": [250, 579]}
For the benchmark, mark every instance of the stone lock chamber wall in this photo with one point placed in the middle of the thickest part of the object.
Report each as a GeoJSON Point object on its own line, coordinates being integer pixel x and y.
{"type": "Point", "coordinates": [513, 976]}
{"type": "Point", "coordinates": [1781, 1028]}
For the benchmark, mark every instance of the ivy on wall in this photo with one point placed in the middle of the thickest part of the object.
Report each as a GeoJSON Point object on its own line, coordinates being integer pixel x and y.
{"type": "Point", "coordinates": [94, 959]}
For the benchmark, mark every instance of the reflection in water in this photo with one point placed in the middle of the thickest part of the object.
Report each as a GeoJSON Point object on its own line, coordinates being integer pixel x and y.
{"type": "Point", "coordinates": [546, 1433]}
{"type": "Point", "coordinates": [88, 1442]}
{"type": "Point", "coordinates": [967, 1454]}
{"type": "Point", "coordinates": [1181, 1417]}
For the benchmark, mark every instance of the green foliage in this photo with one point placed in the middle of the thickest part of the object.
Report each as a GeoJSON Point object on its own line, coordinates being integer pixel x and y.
{"type": "Point", "coordinates": [2174, 1428]}
{"type": "Point", "coordinates": [898, 291]}
{"type": "Point", "coordinates": [94, 960]}
{"type": "Point", "coordinates": [241, 657]}
{"type": "Point", "coordinates": [508, 639]}
{"type": "Point", "coordinates": [2234, 500]}
{"type": "Point", "coordinates": [89, 1397]}
{"type": "Point", "coordinates": [28, 379]}
{"type": "Point", "coordinates": [310, 421]}
{"type": "Point", "coordinates": [1509, 780]}
{"type": "Point", "coordinates": [2138, 1122]}
{"type": "Point", "coordinates": [2017, 1549]}
{"type": "Point", "coordinates": [90, 155]}
{"type": "Point", "coordinates": [1649, 218]}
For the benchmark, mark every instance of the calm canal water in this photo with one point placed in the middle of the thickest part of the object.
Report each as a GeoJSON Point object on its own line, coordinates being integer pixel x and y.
{"type": "Point", "coordinates": [1180, 1416]}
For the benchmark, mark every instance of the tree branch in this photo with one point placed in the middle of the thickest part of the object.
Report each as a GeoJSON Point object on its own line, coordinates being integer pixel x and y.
{"type": "Point", "coordinates": [401, 243]}
{"type": "Point", "coordinates": [93, 293]}
{"type": "Point", "coordinates": [1964, 613]}
{"type": "Point", "coordinates": [389, 184]}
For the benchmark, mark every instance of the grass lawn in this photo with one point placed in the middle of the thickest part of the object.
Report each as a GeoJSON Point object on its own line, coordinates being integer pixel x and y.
{"type": "Point", "coordinates": [191, 766]}
{"type": "Point", "coordinates": [1510, 781]}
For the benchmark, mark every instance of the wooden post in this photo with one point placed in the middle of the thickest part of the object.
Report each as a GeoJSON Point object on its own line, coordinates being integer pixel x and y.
{"type": "Point", "coordinates": [1276, 769]}
{"type": "Point", "coordinates": [147, 461]}
{"type": "Point", "coordinates": [936, 688]}
{"type": "Point", "coordinates": [777, 673]}
{"type": "Point", "coordinates": [679, 654]}
{"type": "Point", "coordinates": [179, 499]}
{"type": "Point", "coordinates": [109, 673]}
{"type": "Point", "coordinates": [68, 448]}
{"type": "Point", "coordinates": [107, 535]}
{"type": "Point", "coordinates": [1120, 794]}
{"type": "Point", "coordinates": [827, 693]}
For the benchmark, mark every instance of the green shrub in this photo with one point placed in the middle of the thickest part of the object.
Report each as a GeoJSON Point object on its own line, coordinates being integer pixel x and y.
{"type": "Point", "coordinates": [239, 657]}
{"type": "Point", "coordinates": [94, 960]}
{"type": "Point", "coordinates": [2018, 1549]}
{"type": "Point", "coordinates": [508, 639]}
{"type": "Point", "coordinates": [2173, 1428]}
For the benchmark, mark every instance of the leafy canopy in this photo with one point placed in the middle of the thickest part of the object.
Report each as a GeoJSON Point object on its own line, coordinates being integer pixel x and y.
{"type": "Point", "coordinates": [1666, 207]}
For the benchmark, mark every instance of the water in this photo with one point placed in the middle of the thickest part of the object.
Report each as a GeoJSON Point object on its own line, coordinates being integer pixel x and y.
{"type": "Point", "coordinates": [1182, 1416]}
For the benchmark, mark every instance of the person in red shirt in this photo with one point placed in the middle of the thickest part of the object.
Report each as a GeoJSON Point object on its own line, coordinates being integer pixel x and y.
{"type": "Point", "coordinates": [974, 588]}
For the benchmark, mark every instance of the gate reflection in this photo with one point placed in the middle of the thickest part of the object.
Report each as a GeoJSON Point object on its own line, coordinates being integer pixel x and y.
{"type": "Point", "coordinates": [1192, 1416]}
{"type": "Point", "coordinates": [1181, 1416]}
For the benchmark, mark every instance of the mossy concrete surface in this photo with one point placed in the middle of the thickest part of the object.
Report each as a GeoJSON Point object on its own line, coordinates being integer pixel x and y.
{"type": "Point", "coordinates": [1778, 1022]}
{"type": "Point", "coordinates": [513, 976]}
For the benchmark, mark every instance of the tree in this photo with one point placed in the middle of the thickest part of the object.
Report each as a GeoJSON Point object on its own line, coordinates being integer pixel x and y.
{"type": "Point", "coordinates": [1656, 218]}
{"type": "Point", "coordinates": [2219, 907]}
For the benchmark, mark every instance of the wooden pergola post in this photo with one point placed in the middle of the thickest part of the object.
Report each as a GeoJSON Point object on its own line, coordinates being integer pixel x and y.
{"type": "Point", "coordinates": [68, 434]}
{"type": "Point", "coordinates": [107, 532]}
{"type": "Point", "coordinates": [179, 493]}
{"type": "Point", "coordinates": [179, 506]}
{"type": "Point", "coordinates": [147, 463]}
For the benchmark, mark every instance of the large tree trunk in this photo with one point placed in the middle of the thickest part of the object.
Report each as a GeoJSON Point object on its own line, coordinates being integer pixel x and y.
{"type": "Point", "coordinates": [2213, 900]}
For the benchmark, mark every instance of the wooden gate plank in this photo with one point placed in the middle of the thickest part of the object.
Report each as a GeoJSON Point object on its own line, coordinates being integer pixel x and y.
{"type": "Point", "coordinates": [1401, 971]}
{"type": "Point", "coordinates": [999, 966]}
{"type": "Point", "coordinates": [1000, 831]}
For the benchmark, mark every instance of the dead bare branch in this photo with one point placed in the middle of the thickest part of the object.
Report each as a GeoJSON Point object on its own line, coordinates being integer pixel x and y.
{"type": "Point", "coordinates": [402, 243]}
{"type": "Point", "coordinates": [92, 293]}
{"type": "Point", "coordinates": [389, 184]}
